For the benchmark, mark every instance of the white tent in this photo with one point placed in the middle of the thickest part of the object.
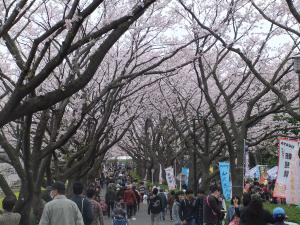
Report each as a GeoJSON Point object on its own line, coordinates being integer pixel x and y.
{"type": "Point", "coordinates": [273, 172]}
{"type": "Point", "coordinates": [254, 172]}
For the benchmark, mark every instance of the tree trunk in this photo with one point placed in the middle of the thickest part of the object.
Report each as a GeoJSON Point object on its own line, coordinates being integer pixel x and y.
{"type": "Point", "coordinates": [237, 169]}
{"type": "Point", "coordinates": [23, 205]}
{"type": "Point", "coordinates": [5, 187]}
{"type": "Point", "coordinates": [205, 178]}
{"type": "Point", "coordinates": [37, 207]}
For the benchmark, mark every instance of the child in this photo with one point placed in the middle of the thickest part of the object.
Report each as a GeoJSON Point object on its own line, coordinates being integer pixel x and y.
{"type": "Point", "coordinates": [119, 210]}
{"type": "Point", "coordinates": [279, 216]}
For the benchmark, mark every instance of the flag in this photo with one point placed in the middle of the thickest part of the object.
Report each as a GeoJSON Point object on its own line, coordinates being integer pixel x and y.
{"type": "Point", "coordinates": [160, 175]}
{"type": "Point", "coordinates": [170, 178]}
{"type": "Point", "coordinates": [224, 168]}
{"type": "Point", "coordinates": [246, 160]}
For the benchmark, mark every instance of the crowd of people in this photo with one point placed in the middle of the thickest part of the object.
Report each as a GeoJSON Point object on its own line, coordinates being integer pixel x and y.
{"type": "Point", "coordinates": [79, 209]}
{"type": "Point", "coordinates": [124, 195]}
{"type": "Point", "coordinates": [210, 209]}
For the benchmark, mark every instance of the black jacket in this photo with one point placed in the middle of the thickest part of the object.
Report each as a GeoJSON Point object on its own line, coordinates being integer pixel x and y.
{"type": "Point", "coordinates": [164, 199]}
{"type": "Point", "coordinates": [249, 218]}
{"type": "Point", "coordinates": [110, 196]}
{"type": "Point", "coordinates": [187, 210]}
{"type": "Point", "coordinates": [85, 208]}
{"type": "Point", "coordinates": [212, 210]}
{"type": "Point", "coordinates": [199, 208]}
{"type": "Point", "coordinates": [155, 205]}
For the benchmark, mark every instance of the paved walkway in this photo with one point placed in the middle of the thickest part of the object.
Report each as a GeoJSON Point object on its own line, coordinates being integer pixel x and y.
{"type": "Point", "coordinates": [142, 218]}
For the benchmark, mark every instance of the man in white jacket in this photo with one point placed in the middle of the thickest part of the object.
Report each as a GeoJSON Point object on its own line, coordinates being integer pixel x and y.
{"type": "Point", "coordinates": [60, 211]}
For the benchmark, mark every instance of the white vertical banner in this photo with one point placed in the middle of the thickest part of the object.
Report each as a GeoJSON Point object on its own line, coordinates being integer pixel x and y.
{"type": "Point", "coordinates": [160, 175]}
{"type": "Point", "coordinates": [287, 149]}
{"type": "Point", "coordinates": [246, 160]}
{"type": "Point", "coordinates": [293, 183]}
{"type": "Point", "coordinates": [146, 174]}
{"type": "Point", "coordinates": [170, 178]}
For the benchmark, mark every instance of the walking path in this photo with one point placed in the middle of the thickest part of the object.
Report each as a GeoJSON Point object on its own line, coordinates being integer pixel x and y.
{"type": "Point", "coordinates": [142, 218]}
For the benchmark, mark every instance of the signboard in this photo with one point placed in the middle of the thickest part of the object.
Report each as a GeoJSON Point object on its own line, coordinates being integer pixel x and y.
{"type": "Point", "coordinates": [170, 178]}
{"type": "Point", "coordinates": [224, 168]}
{"type": "Point", "coordinates": [287, 149]}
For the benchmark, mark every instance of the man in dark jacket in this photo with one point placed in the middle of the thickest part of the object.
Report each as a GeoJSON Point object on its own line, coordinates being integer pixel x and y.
{"type": "Point", "coordinates": [212, 207]}
{"type": "Point", "coordinates": [187, 209]}
{"type": "Point", "coordinates": [83, 204]}
{"type": "Point", "coordinates": [164, 202]}
{"type": "Point", "coordinates": [199, 206]}
{"type": "Point", "coordinates": [110, 199]}
{"type": "Point", "coordinates": [155, 207]}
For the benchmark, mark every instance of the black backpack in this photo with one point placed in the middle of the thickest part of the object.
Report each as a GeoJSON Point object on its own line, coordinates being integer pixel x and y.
{"type": "Point", "coordinates": [156, 205]}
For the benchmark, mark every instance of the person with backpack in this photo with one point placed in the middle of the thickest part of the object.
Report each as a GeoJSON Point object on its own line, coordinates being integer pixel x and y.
{"type": "Point", "coordinates": [164, 201]}
{"type": "Point", "coordinates": [187, 209]}
{"type": "Point", "coordinates": [155, 207]}
{"type": "Point", "coordinates": [212, 207]}
{"type": "Point", "coordinates": [97, 210]}
{"type": "Point", "coordinates": [110, 198]}
{"type": "Point", "coordinates": [83, 203]}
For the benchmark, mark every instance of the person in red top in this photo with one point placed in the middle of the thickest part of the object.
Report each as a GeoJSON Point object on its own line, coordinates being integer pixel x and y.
{"type": "Point", "coordinates": [130, 201]}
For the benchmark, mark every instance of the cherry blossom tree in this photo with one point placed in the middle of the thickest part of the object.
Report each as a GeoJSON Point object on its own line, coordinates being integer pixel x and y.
{"type": "Point", "coordinates": [39, 36]}
{"type": "Point", "coordinates": [229, 63]}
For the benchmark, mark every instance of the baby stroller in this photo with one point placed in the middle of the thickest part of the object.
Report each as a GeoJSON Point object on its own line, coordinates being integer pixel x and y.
{"type": "Point", "coordinates": [119, 220]}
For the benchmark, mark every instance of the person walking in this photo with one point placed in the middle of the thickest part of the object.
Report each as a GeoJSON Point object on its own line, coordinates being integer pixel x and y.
{"type": "Point", "coordinates": [142, 189]}
{"type": "Point", "coordinates": [175, 209]}
{"type": "Point", "coordinates": [199, 206]}
{"type": "Point", "coordinates": [60, 211]}
{"type": "Point", "coordinates": [234, 206]}
{"type": "Point", "coordinates": [129, 200]}
{"type": "Point", "coordinates": [255, 214]}
{"type": "Point", "coordinates": [155, 207]}
{"type": "Point", "coordinates": [187, 209]}
{"type": "Point", "coordinates": [171, 199]}
{"type": "Point", "coordinates": [110, 199]}
{"type": "Point", "coordinates": [213, 207]}
{"type": "Point", "coordinates": [96, 207]}
{"type": "Point", "coordinates": [138, 200]}
{"type": "Point", "coordinates": [83, 203]}
{"type": "Point", "coordinates": [164, 201]}
{"type": "Point", "coordinates": [9, 217]}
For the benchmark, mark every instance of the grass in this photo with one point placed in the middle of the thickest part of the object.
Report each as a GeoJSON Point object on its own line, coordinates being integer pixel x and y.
{"type": "Point", "coordinates": [292, 212]}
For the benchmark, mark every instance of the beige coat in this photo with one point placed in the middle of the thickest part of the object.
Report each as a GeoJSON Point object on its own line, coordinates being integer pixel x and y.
{"type": "Point", "coordinates": [10, 218]}
{"type": "Point", "coordinates": [61, 211]}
